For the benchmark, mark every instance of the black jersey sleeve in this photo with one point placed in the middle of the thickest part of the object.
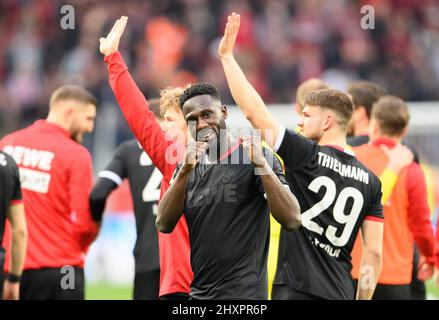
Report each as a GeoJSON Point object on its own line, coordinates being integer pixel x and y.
{"type": "Point", "coordinates": [376, 206]}
{"type": "Point", "coordinates": [16, 193]}
{"type": "Point", "coordinates": [117, 166]}
{"type": "Point", "coordinates": [109, 179]}
{"type": "Point", "coordinates": [276, 165]}
{"type": "Point", "coordinates": [295, 149]}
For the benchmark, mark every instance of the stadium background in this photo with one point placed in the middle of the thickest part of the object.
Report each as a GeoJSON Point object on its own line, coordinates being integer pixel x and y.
{"type": "Point", "coordinates": [281, 43]}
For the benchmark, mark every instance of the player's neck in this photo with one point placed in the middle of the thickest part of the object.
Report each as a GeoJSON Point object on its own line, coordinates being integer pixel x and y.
{"type": "Point", "coordinates": [361, 128]}
{"type": "Point", "coordinates": [225, 144]}
{"type": "Point", "coordinates": [53, 118]}
{"type": "Point", "coordinates": [334, 139]}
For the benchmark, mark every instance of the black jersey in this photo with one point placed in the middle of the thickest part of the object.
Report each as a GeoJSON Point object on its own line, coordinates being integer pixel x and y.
{"type": "Point", "coordinates": [131, 162]}
{"type": "Point", "coordinates": [336, 193]}
{"type": "Point", "coordinates": [228, 221]}
{"type": "Point", "coordinates": [10, 190]}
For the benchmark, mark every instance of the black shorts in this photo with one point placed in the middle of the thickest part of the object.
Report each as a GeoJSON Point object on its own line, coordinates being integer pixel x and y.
{"type": "Point", "coordinates": [392, 292]}
{"type": "Point", "coordinates": [417, 287]}
{"type": "Point", "coordinates": [176, 296]}
{"type": "Point", "coordinates": [52, 284]}
{"type": "Point", "coordinates": [284, 292]}
{"type": "Point", "coordinates": [146, 285]}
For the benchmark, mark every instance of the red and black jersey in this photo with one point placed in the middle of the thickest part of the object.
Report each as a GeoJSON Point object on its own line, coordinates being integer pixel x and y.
{"type": "Point", "coordinates": [56, 179]}
{"type": "Point", "coordinates": [174, 249]}
{"type": "Point", "coordinates": [336, 194]}
{"type": "Point", "coordinates": [10, 190]}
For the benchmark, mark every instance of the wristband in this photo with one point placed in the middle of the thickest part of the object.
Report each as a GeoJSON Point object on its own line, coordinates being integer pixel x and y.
{"type": "Point", "coordinates": [12, 278]}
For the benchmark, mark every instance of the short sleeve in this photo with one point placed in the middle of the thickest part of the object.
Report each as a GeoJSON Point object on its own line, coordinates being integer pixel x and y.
{"type": "Point", "coordinates": [294, 149]}
{"type": "Point", "coordinates": [375, 211]}
{"type": "Point", "coordinates": [16, 194]}
{"type": "Point", "coordinates": [116, 170]}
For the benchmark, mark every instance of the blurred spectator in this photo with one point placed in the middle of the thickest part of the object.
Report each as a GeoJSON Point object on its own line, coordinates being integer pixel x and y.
{"type": "Point", "coordinates": [281, 44]}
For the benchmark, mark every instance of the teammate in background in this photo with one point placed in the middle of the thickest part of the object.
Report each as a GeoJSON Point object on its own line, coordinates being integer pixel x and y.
{"type": "Point", "coordinates": [131, 162]}
{"type": "Point", "coordinates": [407, 212]}
{"type": "Point", "coordinates": [226, 202]}
{"type": "Point", "coordinates": [306, 87]}
{"type": "Point", "coordinates": [164, 151]}
{"type": "Point", "coordinates": [56, 179]}
{"type": "Point", "coordinates": [365, 94]}
{"type": "Point", "coordinates": [336, 193]}
{"type": "Point", "coordinates": [11, 209]}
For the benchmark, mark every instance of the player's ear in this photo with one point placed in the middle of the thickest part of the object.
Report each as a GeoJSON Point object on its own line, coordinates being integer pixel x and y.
{"type": "Point", "coordinates": [404, 133]}
{"type": "Point", "coordinates": [328, 121]}
{"type": "Point", "coordinates": [224, 111]}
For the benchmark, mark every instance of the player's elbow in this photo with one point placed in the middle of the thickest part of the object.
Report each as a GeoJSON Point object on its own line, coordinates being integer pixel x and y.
{"type": "Point", "coordinates": [293, 222]}
{"type": "Point", "coordinates": [162, 225]}
{"type": "Point", "coordinates": [374, 253]}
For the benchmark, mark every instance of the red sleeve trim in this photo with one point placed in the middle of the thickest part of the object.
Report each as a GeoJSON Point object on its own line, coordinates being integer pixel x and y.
{"type": "Point", "coordinates": [373, 218]}
{"type": "Point", "coordinates": [16, 201]}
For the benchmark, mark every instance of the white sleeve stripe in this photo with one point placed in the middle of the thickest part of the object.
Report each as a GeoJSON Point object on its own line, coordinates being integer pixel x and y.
{"type": "Point", "coordinates": [279, 139]}
{"type": "Point", "coordinates": [110, 175]}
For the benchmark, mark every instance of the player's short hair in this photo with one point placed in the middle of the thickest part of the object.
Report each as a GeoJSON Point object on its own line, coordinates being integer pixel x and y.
{"type": "Point", "coordinates": [335, 100]}
{"type": "Point", "coordinates": [307, 86]}
{"type": "Point", "coordinates": [365, 93]}
{"type": "Point", "coordinates": [391, 114]}
{"type": "Point", "coordinates": [73, 92]}
{"type": "Point", "coordinates": [198, 89]}
{"type": "Point", "coordinates": [154, 106]}
{"type": "Point", "coordinates": [170, 99]}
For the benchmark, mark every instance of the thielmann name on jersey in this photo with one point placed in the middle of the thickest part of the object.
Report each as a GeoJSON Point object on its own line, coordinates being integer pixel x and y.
{"type": "Point", "coordinates": [343, 169]}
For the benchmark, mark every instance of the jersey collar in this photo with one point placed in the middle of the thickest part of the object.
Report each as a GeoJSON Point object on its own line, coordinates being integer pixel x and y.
{"type": "Point", "coordinates": [347, 150]}
{"type": "Point", "coordinates": [383, 141]}
{"type": "Point", "coordinates": [52, 126]}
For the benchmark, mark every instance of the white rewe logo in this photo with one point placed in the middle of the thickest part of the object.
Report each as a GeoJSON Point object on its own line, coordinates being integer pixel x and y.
{"type": "Point", "coordinates": [31, 158]}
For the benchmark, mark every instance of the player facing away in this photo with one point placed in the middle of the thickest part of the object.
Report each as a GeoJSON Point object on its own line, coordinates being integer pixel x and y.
{"type": "Point", "coordinates": [337, 194]}
{"type": "Point", "coordinates": [12, 210]}
{"type": "Point", "coordinates": [407, 212]}
{"type": "Point", "coordinates": [56, 175]}
{"type": "Point", "coordinates": [226, 204]}
{"type": "Point", "coordinates": [131, 162]}
{"type": "Point", "coordinates": [165, 150]}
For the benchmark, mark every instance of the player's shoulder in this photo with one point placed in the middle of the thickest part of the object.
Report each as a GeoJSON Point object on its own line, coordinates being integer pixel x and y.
{"type": "Point", "coordinates": [130, 144]}
{"type": "Point", "coordinates": [6, 160]}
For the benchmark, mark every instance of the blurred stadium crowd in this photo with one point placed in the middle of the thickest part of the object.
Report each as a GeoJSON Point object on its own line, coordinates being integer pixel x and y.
{"type": "Point", "coordinates": [173, 42]}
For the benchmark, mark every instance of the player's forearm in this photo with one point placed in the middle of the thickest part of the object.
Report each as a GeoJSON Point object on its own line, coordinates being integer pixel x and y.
{"type": "Point", "coordinates": [98, 197]}
{"type": "Point", "coordinates": [134, 107]}
{"type": "Point", "coordinates": [172, 204]}
{"type": "Point", "coordinates": [370, 269]}
{"type": "Point", "coordinates": [283, 204]}
{"type": "Point", "coordinates": [18, 249]}
{"type": "Point", "coordinates": [247, 98]}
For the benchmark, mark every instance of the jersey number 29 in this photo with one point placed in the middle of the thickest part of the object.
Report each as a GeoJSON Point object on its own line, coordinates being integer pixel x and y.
{"type": "Point", "coordinates": [348, 220]}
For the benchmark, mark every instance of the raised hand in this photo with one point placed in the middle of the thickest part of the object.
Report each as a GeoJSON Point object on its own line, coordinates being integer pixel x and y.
{"type": "Point", "coordinates": [194, 151]}
{"type": "Point", "coordinates": [399, 157]}
{"type": "Point", "coordinates": [252, 145]}
{"type": "Point", "coordinates": [227, 43]}
{"type": "Point", "coordinates": [110, 44]}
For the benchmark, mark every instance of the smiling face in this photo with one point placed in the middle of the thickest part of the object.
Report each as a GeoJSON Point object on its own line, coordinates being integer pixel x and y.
{"type": "Point", "coordinates": [205, 117]}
